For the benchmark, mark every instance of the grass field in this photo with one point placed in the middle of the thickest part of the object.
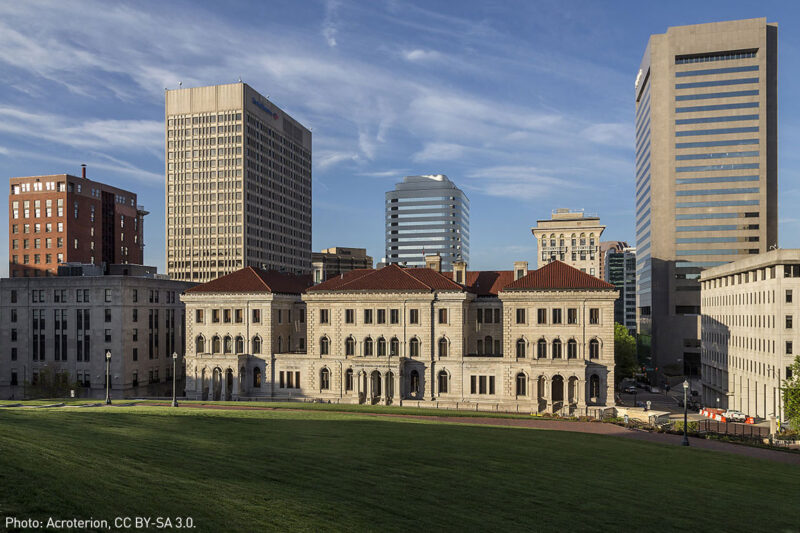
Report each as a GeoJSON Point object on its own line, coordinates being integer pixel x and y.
{"type": "Point", "coordinates": [317, 470]}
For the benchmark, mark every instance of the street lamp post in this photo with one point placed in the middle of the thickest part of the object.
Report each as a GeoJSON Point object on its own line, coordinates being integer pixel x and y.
{"type": "Point", "coordinates": [108, 377]}
{"type": "Point", "coordinates": [174, 378]}
{"type": "Point", "coordinates": [685, 414]}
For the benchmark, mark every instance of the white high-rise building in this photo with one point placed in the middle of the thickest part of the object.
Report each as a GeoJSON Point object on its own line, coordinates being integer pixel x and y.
{"type": "Point", "coordinates": [427, 215]}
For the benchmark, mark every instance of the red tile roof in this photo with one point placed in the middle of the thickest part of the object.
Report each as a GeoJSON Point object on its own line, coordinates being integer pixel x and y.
{"type": "Point", "coordinates": [251, 279]}
{"type": "Point", "coordinates": [557, 275]}
{"type": "Point", "coordinates": [390, 278]}
{"type": "Point", "coordinates": [488, 282]}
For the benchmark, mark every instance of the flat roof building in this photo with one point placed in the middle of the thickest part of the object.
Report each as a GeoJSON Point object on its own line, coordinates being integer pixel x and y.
{"type": "Point", "coordinates": [750, 331]}
{"type": "Point", "coordinates": [238, 184]}
{"type": "Point", "coordinates": [426, 215]}
{"type": "Point", "coordinates": [706, 172]}
{"type": "Point", "coordinates": [61, 218]}
{"type": "Point", "coordinates": [337, 260]}
{"type": "Point", "coordinates": [572, 237]}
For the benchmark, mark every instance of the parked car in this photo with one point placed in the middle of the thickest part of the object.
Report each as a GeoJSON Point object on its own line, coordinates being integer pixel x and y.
{"type": "Point", "coordinates": [630, 390]}
{"type": "Point", "coordinates": [735, 416]}
{"type": "Point", "coordinates": [653, 388]}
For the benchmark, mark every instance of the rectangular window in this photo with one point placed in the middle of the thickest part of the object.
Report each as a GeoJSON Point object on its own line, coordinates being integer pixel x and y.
{"type": "Point", "coordinates": [491, 384]}
{"type": "Point", "coordinates": [256, 316]}
{"type": "Point", "coordinates": [472, 384]}
{"type": "Point", "coordinates": [788, 347]}
{"type": "Point", "coordinates": [367, 316]}
{"type": "Point", "coordinates": [497, 316]}
{"type": "Point", "coordinates": [572, 316]}
{"type": "Point", "coordinates": [413, 316]}
{"type": "Point", "coordinates": [108, 335]}
{"type": "Point", "coordinates": [479, 315]}
{"type": "Point", "coordinates": [381, 316]}
{"type": "Point", "coordinates": [107, 315]}
{"type": "Point", "coordinates": [482, 385]}
{"type": "Point", "coordinates": [788, 321]}
{"type": "Point", "coordinates": [394, 316]}
{"type": "Point", "coordinates": [541, 316]}
{"type": "Point", "coordinates": [323, 316]}
{"type": "Point", "coordinates": [226, 316]}
{"type": "Point", "coordinates": [442, 316]}
{"type": "Point", "coordinates": [594, 315]}
{"type": "Point", "coordinates": [198, 316]}
{"type": "Point", "coordinates": [788, 296]}
{"type": "Point", "coordinates": [215, 315]}
{"type": "Point", "coordinates": [520, 316]}
{"type": "Point", "coordinates": [556, 316]}
{"type": "Point", "coordinates": [349, 316]}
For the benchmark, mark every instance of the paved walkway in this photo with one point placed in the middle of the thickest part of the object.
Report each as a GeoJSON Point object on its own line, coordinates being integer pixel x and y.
{"type": "Point", "coordinates": [596, 428]}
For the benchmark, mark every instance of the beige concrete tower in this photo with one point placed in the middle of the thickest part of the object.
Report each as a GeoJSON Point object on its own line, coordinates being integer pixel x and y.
{"type": "Point", "coordinates": [571, 237]}
{"type": "Point", "coordinates": [238, 184]}
{"type": "Point", "coordinates": [706, 172]}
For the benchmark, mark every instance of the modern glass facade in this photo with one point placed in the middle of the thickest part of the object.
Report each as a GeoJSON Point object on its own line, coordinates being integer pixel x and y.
{"type": "Point", "coordinates": [706, 171]}
{"type": "Point", "coordinates": [426, 215]}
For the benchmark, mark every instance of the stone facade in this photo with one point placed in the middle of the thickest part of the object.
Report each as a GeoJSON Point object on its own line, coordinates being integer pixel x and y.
{"type": "Point", "coordinates": [749, 337]}
{"type": "Point", "coordinates": [408, 337]}
{"type": "Point", "coordinates": [68, 324]}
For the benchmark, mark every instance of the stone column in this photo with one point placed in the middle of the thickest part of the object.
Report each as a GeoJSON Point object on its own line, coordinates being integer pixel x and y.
{"type": "Point", "coordinates": [548, 394]}
{"type": "Point", "coordinates": [368, 392]}
{"type": "Point", "coordinates": [581, 394]}
{"type": "Point", "coordinates": [223, 385]}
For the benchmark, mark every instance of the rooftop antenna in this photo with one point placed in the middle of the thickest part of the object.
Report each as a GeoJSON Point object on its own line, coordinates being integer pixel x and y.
{"type": "Point", "coordinates": [180, 84]}
{"type": "Point", "coordinates": [240, 79]}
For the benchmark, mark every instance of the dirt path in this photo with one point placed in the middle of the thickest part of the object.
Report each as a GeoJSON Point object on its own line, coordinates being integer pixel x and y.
{"type": "Point", "coordinates": [557, 425]}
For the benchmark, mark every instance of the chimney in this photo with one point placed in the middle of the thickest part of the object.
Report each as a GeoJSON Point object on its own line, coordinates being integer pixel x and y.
{"type": "Point", "coordinates": [460, 272]}
{"type": "Point", "coordinates": [434, 262]}
{"type": "Point", "coordinates": [83, 170]}
{"type": "Point", "coordinates": [520, 269]}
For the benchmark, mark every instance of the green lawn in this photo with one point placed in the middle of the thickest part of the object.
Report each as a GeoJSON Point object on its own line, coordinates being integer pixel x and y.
{"type": "Point", "coordinates": [314, 470]}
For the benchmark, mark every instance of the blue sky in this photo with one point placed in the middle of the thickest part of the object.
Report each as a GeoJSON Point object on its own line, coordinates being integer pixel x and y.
{"type": "Point", "coordinates": [527, 106]}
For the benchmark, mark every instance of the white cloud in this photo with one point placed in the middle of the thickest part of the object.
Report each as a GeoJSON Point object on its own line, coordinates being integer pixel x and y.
{"type": "Point", "coordinates": [326, 158]}
{"type": "Point", "coordinates": [329, 24]}
{"type": "Point", "coordinates": [437, 151]}
{"type": "Point", "coordinates": [419, 55]}
{"type": "Point", "coordinates": [519, 182]}
{"type": "Point", "coordinates": [615, 134]}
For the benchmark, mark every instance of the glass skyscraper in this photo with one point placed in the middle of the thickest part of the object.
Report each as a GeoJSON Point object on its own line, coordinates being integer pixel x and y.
{"type": "Point", "coordinates": [426, 215]}
{"type": "Point", "coordinates": [706, 172]}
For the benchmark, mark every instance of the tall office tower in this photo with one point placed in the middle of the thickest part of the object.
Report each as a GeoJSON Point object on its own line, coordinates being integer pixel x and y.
{"type": "Point", "coordinates": [238, 187]}
{"type": "Point", "coordinates": [620, 271]}
{"type": "Point", "coordinates": [706, 172]}
{"type": "Point", "coordinates": [607, 246]}
{"type": "Point", "coordinates": [427, 215]}
{"type": "Point", "coordinates": [571, 237]}
{"type": "Point", "coordinates": [62, 218]}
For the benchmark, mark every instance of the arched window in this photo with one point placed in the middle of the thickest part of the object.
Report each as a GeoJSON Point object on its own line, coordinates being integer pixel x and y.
{"type": "Point", "coordinates": [541, 349]}
{"type": "Point", "coordinates": [414, 382]}
{"type": "Point", "coordinates": [487, 344]}
{"type": "Point", "coordinates": [414, 347]}
{"type": "Point", "coordinates": [443, 347]}
{"type": "Point", "coordinates": [522, 384]}
{"type": "Point", "coordinates": [349, 346]}
{"type": "Point", "coordinates": [200, 344]}
{"type": "Point", "coordinates": [323, 346]}
{"type": "Point", "coordinates": [348, 380]}
{"type": "Point", "coordinates": [256, 344]}
{"type": "Point", "coordinates": [280, 344]}
{"type": "Point", "coordinates": [227, 345]}
{"type": "Point", "coordinates": [239, 344]}
{"type": "Point", "coordinates": [324, 379]}
{"type": "Point", "coordinates": [394, 346]}
{"type": "Point", "coordinates": [381, 346]}
{"type": "Point", "coordinates": [572, 349]}
{"type": "Point", "coordinates": [215, 348]}
{"type": "Point", "coordinates": [443, 382]}
{"type": "Point", "coordinates": [594, 349]}
{"type": "Point", "coordinates": [521, 348]}
{"type": "Point", "coordinates": [368, 346]}
{"type": "Point", "coordinates": [257, 378]}
{"type": "Point", "coordinates": [557, 349]}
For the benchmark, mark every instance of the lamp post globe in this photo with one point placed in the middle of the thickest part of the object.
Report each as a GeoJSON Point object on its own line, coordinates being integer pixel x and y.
{"type": "Point", "coordinates": [685, 413]}
{"type": "Point", "coordinates": [108, 377]}
{"type": "Point", "coordinates": [174, 378]}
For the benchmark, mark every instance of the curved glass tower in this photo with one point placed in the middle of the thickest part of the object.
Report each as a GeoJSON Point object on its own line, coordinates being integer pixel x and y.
{"type": "Point", "coordinates": [426, 215]}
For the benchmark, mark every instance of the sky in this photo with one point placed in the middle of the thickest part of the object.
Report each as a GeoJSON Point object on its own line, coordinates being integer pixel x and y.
{"type": "Point", "coordinates": [526, 105]}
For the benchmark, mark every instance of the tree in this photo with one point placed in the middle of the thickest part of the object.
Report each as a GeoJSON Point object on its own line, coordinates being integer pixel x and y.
{"type": "Point", "coordinates": [791, 395]}
{"type": "Point", "coordinates": [51, 383]}
{"type": "Point", "coordinates": [624, 353]}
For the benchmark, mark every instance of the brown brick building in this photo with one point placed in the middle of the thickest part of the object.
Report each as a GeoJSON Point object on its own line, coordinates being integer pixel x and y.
{"type": "Point", "coordinates": [63, 218]}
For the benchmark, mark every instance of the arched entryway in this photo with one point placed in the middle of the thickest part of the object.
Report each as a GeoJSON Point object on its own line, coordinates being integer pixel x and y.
{"type": "Point", "coordinates": [204, 385]}
{"type": "Point", "coordinates": [376, 387]}
{"type": "Point", "coordinates": [557, 393]}
{"type": "Point", "coordinates": [217, 385]}
{"type": "Point", "coordinates": [228, 384]}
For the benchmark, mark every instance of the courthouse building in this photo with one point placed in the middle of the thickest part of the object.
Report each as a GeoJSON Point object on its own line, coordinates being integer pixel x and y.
{"type": "Point", "coordinates": [540, 341]}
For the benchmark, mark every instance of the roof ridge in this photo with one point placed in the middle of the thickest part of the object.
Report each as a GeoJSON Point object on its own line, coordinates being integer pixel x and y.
{"type": "Point", "coordinates": [259, 276]}
{"type": "Point", "coordinates": [404, 271]}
